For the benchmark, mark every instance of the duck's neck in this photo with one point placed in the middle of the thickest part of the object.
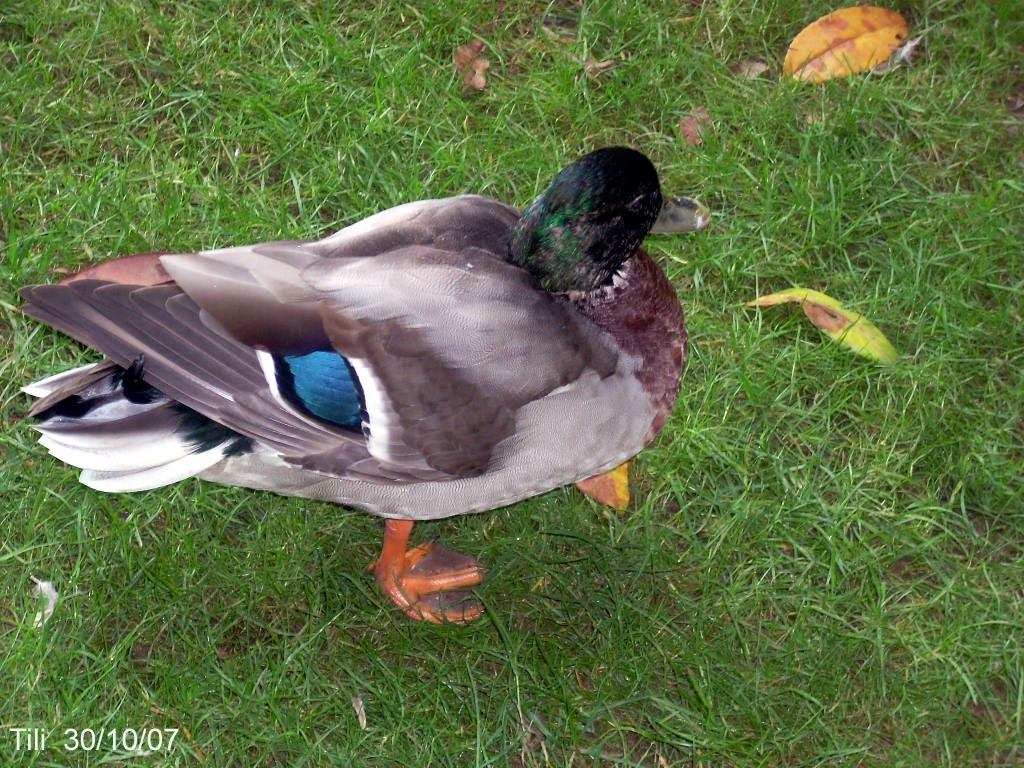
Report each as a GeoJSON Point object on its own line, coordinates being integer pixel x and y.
{"type": "Point", "coordinates": [641, 311]}
{"type": "Point", "coordinates": [565, 252]}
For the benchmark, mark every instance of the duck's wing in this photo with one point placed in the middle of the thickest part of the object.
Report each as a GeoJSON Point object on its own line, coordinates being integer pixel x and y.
{"type": "Point", "coordinates": [446, 346]}
{"type": "Point", "coordinates": [446, 339]}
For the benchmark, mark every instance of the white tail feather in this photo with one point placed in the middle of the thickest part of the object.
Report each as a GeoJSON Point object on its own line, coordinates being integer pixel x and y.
{"type": "Point", "coordinates": [43, 387]}
{"type": "Point", "coordinates": [155, 477]}
{"type": "Point", "coordinates": [138, 455]}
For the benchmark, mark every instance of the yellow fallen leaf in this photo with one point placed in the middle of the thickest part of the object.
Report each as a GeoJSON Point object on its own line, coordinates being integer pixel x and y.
{"type": "Point", "coordinates": [611, 488]}
{"type": "Point", "coordinates": [849, 328]}
{"type": "Point", "coordinates": [844, 42]}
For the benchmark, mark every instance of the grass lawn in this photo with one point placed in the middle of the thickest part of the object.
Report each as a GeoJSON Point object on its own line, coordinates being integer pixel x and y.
{"type": "Point", "coordinates": [824, 560]}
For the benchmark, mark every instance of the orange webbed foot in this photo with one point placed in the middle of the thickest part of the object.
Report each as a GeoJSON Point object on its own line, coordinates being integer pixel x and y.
{"type": "Point", "coordinates": [428, 581]}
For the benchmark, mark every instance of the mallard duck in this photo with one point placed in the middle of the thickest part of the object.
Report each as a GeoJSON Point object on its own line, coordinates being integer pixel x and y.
{"type": "Point", "coordinates": [439, 358]}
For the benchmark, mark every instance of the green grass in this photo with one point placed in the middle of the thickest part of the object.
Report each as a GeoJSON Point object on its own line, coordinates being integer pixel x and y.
{"type": "Point", "coordinates": [824, 560]}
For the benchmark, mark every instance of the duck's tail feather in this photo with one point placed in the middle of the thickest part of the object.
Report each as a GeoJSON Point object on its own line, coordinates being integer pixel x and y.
{"type": "Point", "coordinates": [124, 434]}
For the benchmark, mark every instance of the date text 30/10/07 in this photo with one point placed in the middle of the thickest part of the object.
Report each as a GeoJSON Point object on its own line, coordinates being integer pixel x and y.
{"type": "Point", "coordinates": [97, 739]}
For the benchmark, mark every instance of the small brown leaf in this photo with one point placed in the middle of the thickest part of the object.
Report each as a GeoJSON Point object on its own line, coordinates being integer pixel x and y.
{"type": "Point", "coordinates": [692, 126]}
{"type": "Point", "coordinates": [844, 42]}
{"type": "Point", "coordinates": [466, 54]}
{"type": "Point", "coordinates": [475, 78]}
{"type": "Point", "coordinates": [750, 69]}
{"type": "Point", "coordinates": [595, 68]}
{"type": "Point", "coordinates": [470, 65]}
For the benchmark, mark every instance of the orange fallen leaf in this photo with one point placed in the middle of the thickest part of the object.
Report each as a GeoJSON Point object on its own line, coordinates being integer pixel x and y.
{"type": "Point", "coordinates": [692, 126]}
{"type": "Point", "coordinates": [849, 328]}
{"type": "Point", "coordinates": [844, 42]}
{"type": "Point", "coordinates": [470, 65]}
{"type": "Point", "coordinates": [611, 488]}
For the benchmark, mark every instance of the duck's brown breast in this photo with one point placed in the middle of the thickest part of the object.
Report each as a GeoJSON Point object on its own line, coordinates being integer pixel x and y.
{"type": "Point", "coordinates": [642, 313]}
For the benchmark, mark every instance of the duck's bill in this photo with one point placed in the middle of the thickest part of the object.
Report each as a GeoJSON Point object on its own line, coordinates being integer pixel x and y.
{"type": "Point", "coordinates": [681, 214]}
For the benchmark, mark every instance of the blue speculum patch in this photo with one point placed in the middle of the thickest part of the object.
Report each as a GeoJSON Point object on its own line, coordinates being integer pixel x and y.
{"type": "Point", "coordinates": [325, 385]}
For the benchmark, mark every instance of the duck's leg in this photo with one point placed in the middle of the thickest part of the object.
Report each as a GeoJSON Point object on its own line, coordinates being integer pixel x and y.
{"type": "Point", "coordinates": [428, 580]}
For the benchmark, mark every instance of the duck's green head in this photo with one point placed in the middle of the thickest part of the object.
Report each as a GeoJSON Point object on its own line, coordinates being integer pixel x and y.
{"type": "Point", "coordinates": [589, 221]}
